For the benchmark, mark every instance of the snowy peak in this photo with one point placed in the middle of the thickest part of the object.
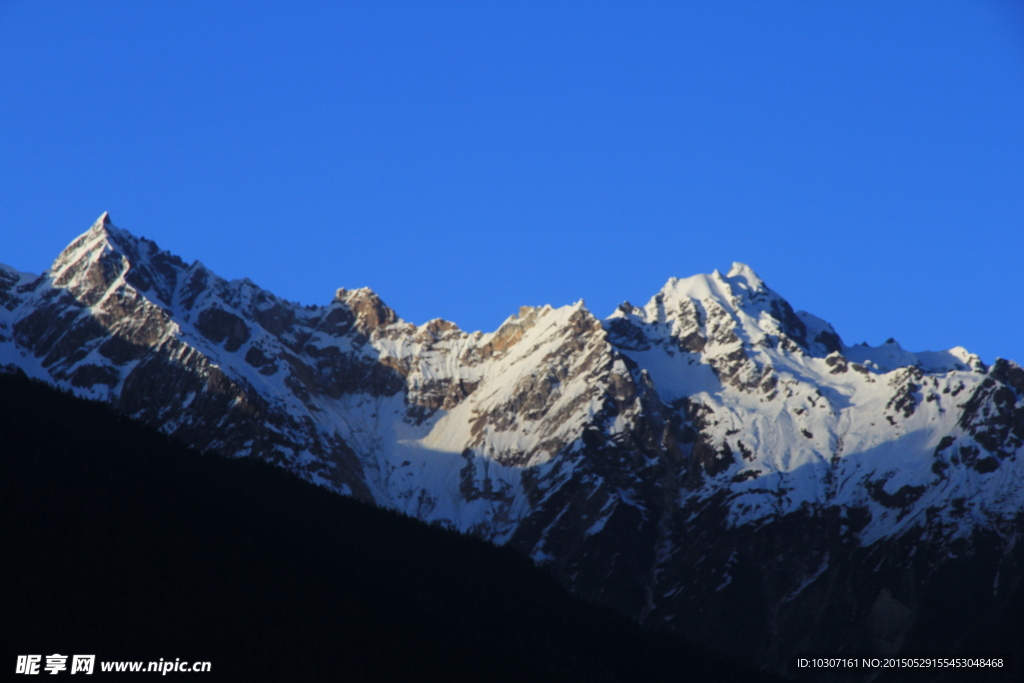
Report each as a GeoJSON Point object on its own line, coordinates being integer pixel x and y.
{"type": "Point", "coordinates": [744, 276]}
{"type": "Point", "coordinates": [93, 263]}
{"type": "Point", "coordinates": [702, 313]}
{"type": "Point", "coordinates": [106, 256]}
{"type": "Point", "coordinates": [740, 286]}
{"type": "Point", "coordinates": [712, 314]}
{"type": "Point", "coordinates": [103, 234]}
{"type": "Point", "coordinates": [370, 311]}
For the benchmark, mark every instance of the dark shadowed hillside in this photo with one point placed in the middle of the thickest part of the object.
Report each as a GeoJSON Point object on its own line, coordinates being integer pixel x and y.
{"type": "Point", "coordinates": [122, 543]}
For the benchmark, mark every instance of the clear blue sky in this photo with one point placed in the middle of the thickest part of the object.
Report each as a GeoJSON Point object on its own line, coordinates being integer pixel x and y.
{"type": "Point", "coordinates": [467, 158]}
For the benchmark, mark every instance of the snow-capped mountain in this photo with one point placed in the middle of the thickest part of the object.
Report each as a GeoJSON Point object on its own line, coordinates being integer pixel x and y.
{"type": "Point", "coordinates": [712, 462]}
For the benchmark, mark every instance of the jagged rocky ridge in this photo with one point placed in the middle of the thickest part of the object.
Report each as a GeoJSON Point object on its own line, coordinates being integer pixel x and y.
{"type": "Point", "coordinates": [712, 462]}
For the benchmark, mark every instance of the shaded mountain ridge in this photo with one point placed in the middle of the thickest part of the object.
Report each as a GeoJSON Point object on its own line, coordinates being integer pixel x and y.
{"type": "Point", "coordinates": [124, 543]}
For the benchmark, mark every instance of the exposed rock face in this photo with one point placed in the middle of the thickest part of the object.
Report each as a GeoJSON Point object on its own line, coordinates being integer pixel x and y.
{"type": "Point", "coordinates": [712, 462]}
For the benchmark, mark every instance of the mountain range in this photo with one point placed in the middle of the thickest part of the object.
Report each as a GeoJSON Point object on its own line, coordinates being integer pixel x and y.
{"type": "Point", "coordinates": [712, 463]}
